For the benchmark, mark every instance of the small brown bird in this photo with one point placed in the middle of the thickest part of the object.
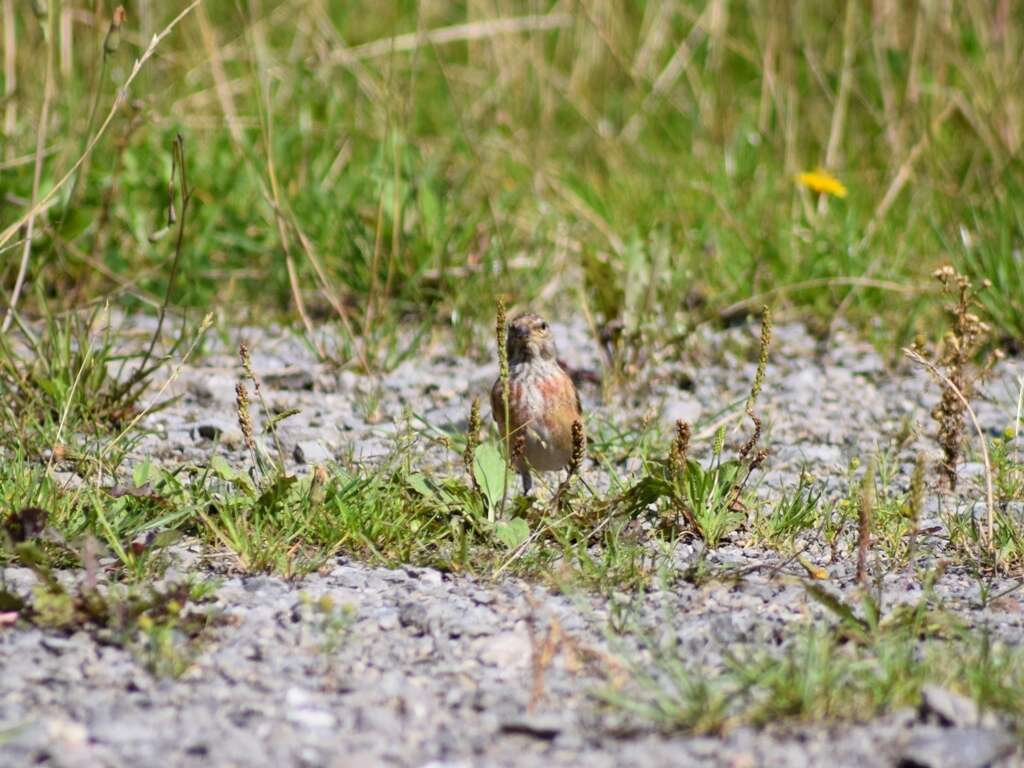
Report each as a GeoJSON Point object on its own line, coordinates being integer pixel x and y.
{"type": "Point", "coordinates": [543, 401]}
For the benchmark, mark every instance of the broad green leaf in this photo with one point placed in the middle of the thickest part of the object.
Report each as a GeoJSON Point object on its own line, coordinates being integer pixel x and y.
{"type": "Point", "coordinates": [141, 472]}
{"type": "Point", "coordinates": [512, 532]}
{"type": "Point", "coordinates": [276, 493]}
{"type": "Point", "coordinates": [490, 472]}
{"type": "Point", "coordinates": [229, 474]}
{"type": "Point", "coordinates": [166, 539]}
{"type": "Point", "coordinates": [419, 483]}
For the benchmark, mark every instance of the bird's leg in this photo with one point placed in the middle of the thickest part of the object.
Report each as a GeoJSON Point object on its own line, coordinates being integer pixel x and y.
{"type": "Point", "coordinates": [524, 473]}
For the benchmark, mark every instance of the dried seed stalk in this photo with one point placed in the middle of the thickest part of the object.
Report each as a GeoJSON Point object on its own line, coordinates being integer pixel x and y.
{"type": "Point", "coordinates": [865, 513]}
{"type": "Point", "coordinates": [472, 441]}
{"type": "Point", "coordinates": [755, 388]}
{"type": "Point", "coordinates": [916, 503]}
{"type": "Point", "coordinates": [962, 342]}
{"type": "Point", "coordinates": [244, 417]}
{"type": "Point", "coordinates": [680, 447]}
{"type": "Point", "coordinates": [269, 421]}
{"type": "Point", "coordinates": [755, 437]}
{"type": "Point", "coordinates": [579, 448]}
{"type": "Point", "coordinates": [762, 358]}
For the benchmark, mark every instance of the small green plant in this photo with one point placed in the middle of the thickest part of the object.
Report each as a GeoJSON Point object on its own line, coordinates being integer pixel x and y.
{"type": "Point", "coordinates": [708, 500]}
{"type": "Point", "coordinates": [332, 622]}
{"type": "Point", "coordinates": [1007, 469]}
{"type": "Point", "coordinates": [68, 382]}
{"type": "Point", "coordinates": [795, 512]}
{"type": "Point", "coordinates": [861, 663]}
{"type": "Point", "coordinates": [712, 497]}
{"type": "Point", "coordinates": [163, 625]}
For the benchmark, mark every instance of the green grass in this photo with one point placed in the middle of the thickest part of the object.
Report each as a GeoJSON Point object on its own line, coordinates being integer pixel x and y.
{"type": "Point", "coordinates": [640, 162]}
{"type": "Point", "coordinates": [797, 511]}
{"type": "Point", "coordinates": [850, 669]}
{"type": "Point", "coordinates": [819, 679]}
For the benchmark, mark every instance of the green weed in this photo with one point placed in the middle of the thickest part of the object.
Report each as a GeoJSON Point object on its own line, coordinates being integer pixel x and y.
{"type": "Point", "coordinates": [795, 512]}
{"type": "Point", "coordinates": [820, 675]}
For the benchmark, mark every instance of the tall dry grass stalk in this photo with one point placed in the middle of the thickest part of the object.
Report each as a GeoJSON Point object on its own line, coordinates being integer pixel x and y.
{"type": "Point", "coordinates": [838, 124]}
{"type": "Point", "coordinates": [284, 219]}
{"type": "Point", "coordinates": [42, 128]}
{"type": "Point", "coordinates": [915, 503]}
{"type": "Point", "coordinates": [865, 518]}
{"type": "Point", "coordinates": [10, 77]}
{"type": "Point", "coordinates": [111, 44]}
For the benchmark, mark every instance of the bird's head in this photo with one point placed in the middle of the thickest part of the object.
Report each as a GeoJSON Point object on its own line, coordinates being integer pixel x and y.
{"type": "Point", "coordinates": [529, 338]}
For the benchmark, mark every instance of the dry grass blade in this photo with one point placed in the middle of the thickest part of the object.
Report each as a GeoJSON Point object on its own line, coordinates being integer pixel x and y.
{"type": "Point", "coordinates": [158, 395]}
{"type": "Point", "coordinates": [1020, 413]}
{"type": "Point", "coordinates": [669, 74]}
{"type": "Point", "coordinates": [37, 172]}
{"type": "Point", "coordinates": [865, 515]}
{"type": "Point", "coordinates": [818, 282]}
{"type": "Point", "coordinates": [916, 504]}
{"type": "Point", "coordinates": [835, 134]}
{"type": "Point", "coordinates": [899, 181]}
{"type": "Point", "coordinates": [10, 74]}
{"type": "Point", "coordinates": [478, 30]}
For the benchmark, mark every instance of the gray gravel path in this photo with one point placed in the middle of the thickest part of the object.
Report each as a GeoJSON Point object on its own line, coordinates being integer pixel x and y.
{"type": "Point", "coordinates": [431, 669]}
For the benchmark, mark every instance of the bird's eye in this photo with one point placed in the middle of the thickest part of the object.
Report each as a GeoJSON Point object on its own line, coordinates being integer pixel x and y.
{"type": "Point", "coordinates": [543, 326]}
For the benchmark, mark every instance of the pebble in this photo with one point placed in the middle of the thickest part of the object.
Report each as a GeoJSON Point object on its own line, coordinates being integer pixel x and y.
{"type": "Point", "coordinates": [311, 452]}
{"type": "Point", "coordinates": [937, 747]}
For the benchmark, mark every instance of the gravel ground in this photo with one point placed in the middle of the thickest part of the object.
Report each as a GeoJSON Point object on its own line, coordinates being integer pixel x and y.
{"type": "Point", "coordinates": [435, 669]}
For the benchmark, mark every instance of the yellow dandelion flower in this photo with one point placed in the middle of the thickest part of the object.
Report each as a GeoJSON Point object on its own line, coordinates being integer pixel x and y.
{"type": "Point", "coordinates": [822, 181]}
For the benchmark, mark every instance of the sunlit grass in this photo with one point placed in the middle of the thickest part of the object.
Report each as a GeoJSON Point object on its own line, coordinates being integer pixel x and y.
{"type": "Point", "coordinates": [651, 152]}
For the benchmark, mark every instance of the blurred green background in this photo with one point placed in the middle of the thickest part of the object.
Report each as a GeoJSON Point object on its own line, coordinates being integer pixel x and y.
{"type": "Point", "coordinates": [407, 162]}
